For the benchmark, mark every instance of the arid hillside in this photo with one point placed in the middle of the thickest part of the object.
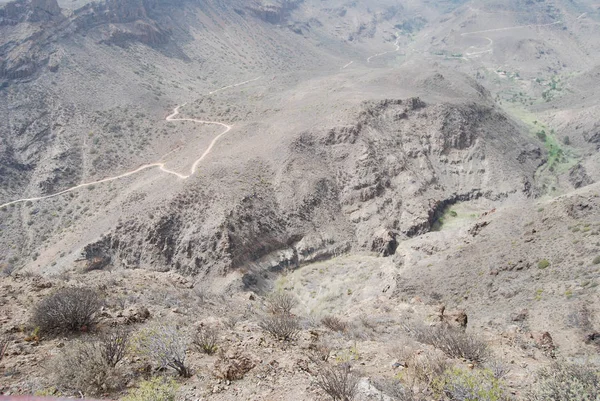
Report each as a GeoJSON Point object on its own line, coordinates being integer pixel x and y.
{"type": "Point", "coordinates": [300, 199]}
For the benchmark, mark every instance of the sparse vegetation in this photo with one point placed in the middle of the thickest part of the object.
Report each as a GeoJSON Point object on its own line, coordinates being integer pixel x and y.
{"type": "Point", "coordinates": [113, 346]}
{"type": "Point", "coordinates": [461, 385]}
{"type": "Point", "coordinates": [426, 367]}
{"type": "Point", "coordinates": [68, 309]}
{"type": "Point", "coordinates": [165, 346]}
{"type": "Point", "coordinates": [334, 323]}
{"type": "Point", "coordinates": [453, 342]}
{"type": "Point", "coordinates": [282, 326]}
{"type": "Point", "coordinates": [395, 389]}
{"type": "Point", "coordinates": [281, 302]}
{"type": "Point", "coordinates": [596, 260]}
{"type": "Point", "coordinates": [82, 367]}
{"type": "Point", "coordinates": [156, 389]}
{"type": "Point", "coordinates": [567, 382]}
{"type": "Point", "coordinates": [338, 381]}
{"type": "Point", "coordinates": [206, 339]}
{"type": "Point", "coordinates": [544, 263]}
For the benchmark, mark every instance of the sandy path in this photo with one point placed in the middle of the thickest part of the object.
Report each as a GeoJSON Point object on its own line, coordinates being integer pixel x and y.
{"type": "Point", "coordinates": [160, 165]}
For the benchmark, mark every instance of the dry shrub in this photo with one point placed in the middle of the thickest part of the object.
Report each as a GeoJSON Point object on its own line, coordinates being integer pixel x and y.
{"type": "Point", "coordinates": [567, 382]}
{"type": "Point", "coordinates": [338, 381]}
{"type": "Point", "coordinates": [319, 351]}
{"type": "Point", "coordinates": [334, 323]}
{"type": "Point", "coordinates": [426, 367]}
{"type": "Point", "coordinates": [282, 326]}
{"type": "Point", "coordinates": [165, 346]}
{"type": "Point", "coordinates": [68, 309]}
{"type": "Point", "coordinates": [232, 321]}
{"type": "Point", "coordinates": [82, 367]}
{"type": "Point", "coordinates": [205, 340]}
{"type": "Point", "coordinates": [113, 346]}
{"type": "Point", "coordinates": [454, 342]}
{"type": "Point", "coordinates": [281, 303]}
{"type": "Point", "coordinates": [498, 368]}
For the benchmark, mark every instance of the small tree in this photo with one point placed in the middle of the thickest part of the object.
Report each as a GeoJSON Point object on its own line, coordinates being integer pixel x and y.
{"type": "Point", "coordinates": [68, 309]}
{"type": "Point", "coordinates": [164, 345]}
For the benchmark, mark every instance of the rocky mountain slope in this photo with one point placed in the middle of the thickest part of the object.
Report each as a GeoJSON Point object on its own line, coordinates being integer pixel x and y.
{"type": "Point", "coordinates": [383, 162]}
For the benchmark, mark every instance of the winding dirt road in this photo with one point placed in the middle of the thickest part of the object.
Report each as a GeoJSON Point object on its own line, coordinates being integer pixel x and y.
{"type": "Point", "coordinates": [160, 165]}
{"type": "Point", "coordinates": [391, 51]}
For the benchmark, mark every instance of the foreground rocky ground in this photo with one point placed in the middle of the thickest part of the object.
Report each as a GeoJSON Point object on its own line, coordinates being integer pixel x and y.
{"type": "Point", "coordinates": [378, 315]}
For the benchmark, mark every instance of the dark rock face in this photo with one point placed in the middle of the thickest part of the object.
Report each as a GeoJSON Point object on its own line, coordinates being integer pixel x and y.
{"type": "Point", "coordinates": [42, 11]}
{"type": "Point", "coordinates": [578, 176]}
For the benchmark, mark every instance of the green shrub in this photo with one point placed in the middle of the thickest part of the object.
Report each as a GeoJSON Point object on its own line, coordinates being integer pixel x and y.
{"type": "Point", "coordinates": [566, 382]}
{"type": "Point", "coordinates": [156, 389]}
{"type": "Point", "coordinates": [542, 264]}
{"type": "Point", "coordinates": [462, 385]}
{"type": "Point", "coordinates": [596, 260]}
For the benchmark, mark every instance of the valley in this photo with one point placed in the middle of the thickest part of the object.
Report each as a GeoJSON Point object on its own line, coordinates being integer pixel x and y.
{"type": "Point", "coordinates": [392, 166]}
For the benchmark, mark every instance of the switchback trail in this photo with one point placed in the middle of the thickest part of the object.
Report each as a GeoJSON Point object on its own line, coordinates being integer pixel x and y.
{"type": "Point", "coordinates": [160, 165]}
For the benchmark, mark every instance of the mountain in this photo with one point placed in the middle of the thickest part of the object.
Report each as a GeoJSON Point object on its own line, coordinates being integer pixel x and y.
{"type": "Point", "coordinates": [384, 163]}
